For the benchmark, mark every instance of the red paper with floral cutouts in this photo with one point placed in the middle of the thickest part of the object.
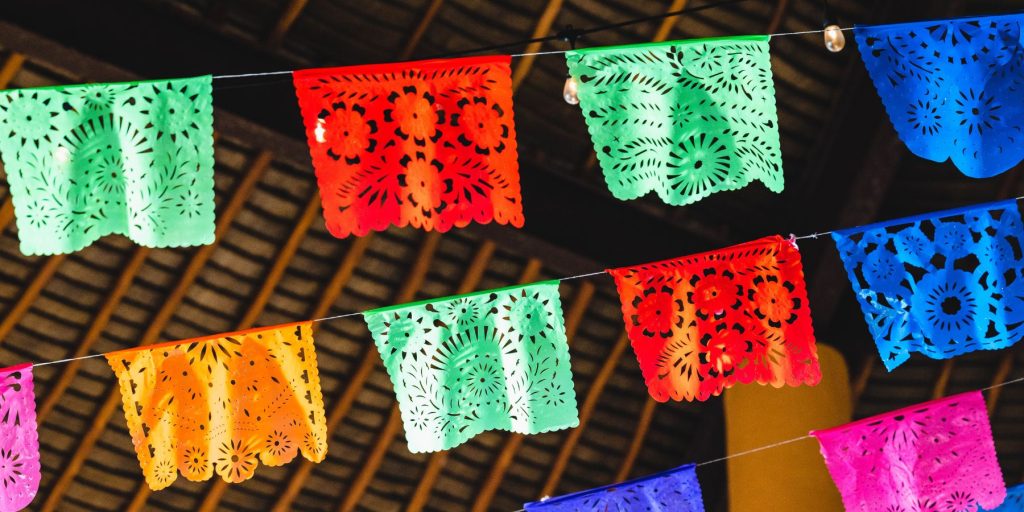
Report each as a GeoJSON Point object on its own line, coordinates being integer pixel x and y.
{"type": "Point", "coordinates": [701, 323]}
{"type": "Point", "coordinates": [429, 143]}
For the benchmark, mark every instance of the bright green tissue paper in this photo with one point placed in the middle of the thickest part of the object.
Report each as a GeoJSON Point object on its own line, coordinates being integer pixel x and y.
{"type": "Point", "coordinates": [86, 161]}
{"type": "Point", "coordinates": [685, 118]}
{"type": "Point", "coordinates": [467, 364]}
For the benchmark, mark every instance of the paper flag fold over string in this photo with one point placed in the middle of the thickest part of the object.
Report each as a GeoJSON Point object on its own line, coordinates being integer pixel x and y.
{"type": "Point", "coordinates": [701, 323]}
{"type": "Point", "coordinates": [685, 118]}
{"type": "Point", "coordinates": [429, 143]}
{"type": "Point", "coordinates": [86, 161]}
{"type": "Point", "coordinates": [676, 490]}
{"type": "Point", "coordinates": [942, 284]}
{"type": "Point", "coordinates": [19, 440]}
{"type": "Point", "coordinates": [933, 456]}
{"type": "Point", "coordinates": [462, 365]}
{"type": "Point", "coordinates": [952, 88]}
{"type": "Point", "coordinates": [1014, 501]}
{"type": "Point", "coordinates": [222, 404]}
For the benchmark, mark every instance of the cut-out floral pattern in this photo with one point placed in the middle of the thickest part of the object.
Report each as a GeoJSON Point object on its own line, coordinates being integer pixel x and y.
{"type": "Point", "coordinates": [430, 143]}
{"type": "Point", "coordinates": [462, 365]}
{"type": "Point", "coordinates": [86, 161]}
{"type": "Point", "coordinates": [223, 404]}
{"type": "Point", "coordinates": [701, 323]}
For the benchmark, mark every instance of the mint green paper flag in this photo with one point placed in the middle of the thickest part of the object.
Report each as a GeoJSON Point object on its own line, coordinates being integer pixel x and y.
{"type": "Point", "coordinates": [685, 119]}
{"type": "Point", "coordinates": [134, 158]}
{"type": "Point", "coordinates": [467, 364]}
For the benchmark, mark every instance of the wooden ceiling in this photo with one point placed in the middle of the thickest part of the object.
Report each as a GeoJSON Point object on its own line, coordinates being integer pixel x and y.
{"type": "Point", "coordinates": [274, 261]}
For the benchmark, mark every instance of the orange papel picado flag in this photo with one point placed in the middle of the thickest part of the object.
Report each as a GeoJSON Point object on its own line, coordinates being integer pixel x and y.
{"type": "Point", "coordinates": [222, 404]}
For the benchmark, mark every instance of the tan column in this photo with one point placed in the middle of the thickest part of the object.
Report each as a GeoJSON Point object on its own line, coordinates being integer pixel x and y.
{"type": "Point", "coordinates": [792, 476]}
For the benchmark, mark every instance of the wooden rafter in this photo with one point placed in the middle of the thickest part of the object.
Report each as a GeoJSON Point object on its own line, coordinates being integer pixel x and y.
{"type": "Point", "coordinates": [343, 404]}
{"type": "Point", "coordinates": [543, 27]}
{"type": "Point", "coordinates": [92, 335]}
{"type": "Point", "coordinates": [30, 294]}
{"type": "Point", "coordinates": [156, 327]}
{"type": "Point", "coordinates": [12, 65]}
{"type": "Point", "coordinates": [421, 29]}
{"type": "Point", "coordinates": [860, 383]}
{"type": "Point", "coordinates": [6, 213]}
{"type": "Point", "coordinates": [282, 260]}
{"type": "Point", "coordinates": [778, 16]}
{"type": "Point", "coordinates": [503, 461]}
{"type": "Point", "coordinates": [639, 435]}
{"type": "Point", "coordinates": [284, 23]}
{"type": "Point", "coordinates": [470, 280]}
{"type": "Point", "coordinates": [667, 24]}
{"type": "Point", "coordinates": [586, 412]}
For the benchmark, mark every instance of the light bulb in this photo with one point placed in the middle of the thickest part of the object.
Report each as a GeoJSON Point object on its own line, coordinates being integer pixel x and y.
{"type": "Point", "coordinates": [319, 131]}
{"type": "Point", "coordinates": [570, 92]}
{"type": "Point", "coordinates": [835, 41]}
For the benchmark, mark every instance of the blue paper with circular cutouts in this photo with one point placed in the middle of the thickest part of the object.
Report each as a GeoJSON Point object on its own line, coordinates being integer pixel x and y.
{"type": "Point", "coordinates": [941, 284]}
{"type": "Point", "coordinates": [953, 88]}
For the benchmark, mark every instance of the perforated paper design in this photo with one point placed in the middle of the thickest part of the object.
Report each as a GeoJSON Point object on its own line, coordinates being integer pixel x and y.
{"type": "Point", "coordinates": [684, 119]}
{"type": "Point", "coordinates": [223, 404]}
{"type": "Point", "coordinates": [462, 365]}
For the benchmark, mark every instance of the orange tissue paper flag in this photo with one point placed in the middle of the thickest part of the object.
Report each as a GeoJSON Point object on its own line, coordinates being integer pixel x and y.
{"type": "Point", "coordinates": [222, 404]}
{"type": "Point", "coordinates": [430, 144]}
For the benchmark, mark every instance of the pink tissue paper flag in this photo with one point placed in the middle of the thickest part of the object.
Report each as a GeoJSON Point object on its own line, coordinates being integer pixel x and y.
{"type": "Point", "coordinates": [19, 441]}
{"type": "Point", "coordinates": [937, 455]}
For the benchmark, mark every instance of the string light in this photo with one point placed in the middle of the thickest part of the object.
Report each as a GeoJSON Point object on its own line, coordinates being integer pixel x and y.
{"type": "Point", "coordinates": [570, 91]}
{"type": "Point", "coordinates": [835, 40]}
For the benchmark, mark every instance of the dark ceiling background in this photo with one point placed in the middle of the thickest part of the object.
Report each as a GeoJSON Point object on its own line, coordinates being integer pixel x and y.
{"type": "Point", "coordinates": [274, 262]}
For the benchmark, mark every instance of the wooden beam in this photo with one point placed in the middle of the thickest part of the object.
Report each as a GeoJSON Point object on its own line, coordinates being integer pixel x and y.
{"type": "Point", "coordinates": [284, 23]}
{"type": "Point", "coordinates": [362, 481]}
{"type": "Point", "coordinates": [589, 404]}
{"type": "Point", "coordinates": [413, 282]}
{"type": "Point", "coordinates": [942, 381]}
{"type": "Point", "coordinates": [1001, 374]}
{"type": "Point", "coordinates": [667, 24]}
{"type": "Point", "coordinates": [642, 427]}
{"type": "Point", "coordinates": [861, 382]}
{"type": "Point", "coordinates": [12, 65]}
{"type": "Point", "coordinates": [421, 29]}
{"type": "Point", "coordinates": [92, 335]}
{"type": "Point", "coordinates": [437, 460]}
{"type": "Point", "coordinates": [778, 16]}
{"type": "Point", "coordinates": [6, 212]}
{"type": "Point", "coordinates": [282, 260]}
{"type": "Point", "coordinates": [30, 294]}
{"type": "Point", "coordinates": [507, 454]}
{"type": "Point", "coordinates": [156, 327]}
{"type": "Point", "coordinates": [542, 29]}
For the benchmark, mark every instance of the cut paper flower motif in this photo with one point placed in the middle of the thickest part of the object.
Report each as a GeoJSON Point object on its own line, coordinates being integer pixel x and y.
{"type": "Point", "coordinates": [19, 440]}
{"type": "Point", "coordinates": [134, 159]}
{"type": "Point", "coordinates": [685, 119]}
{"type": "Point", "coordinates": [223, 404]}
{"type": "Point", "coordinates": [701, 323]}
{"type": "Point", "coordinates": [429, 143]}
{"type": "Point", "coordinates": [933, 456]}
{"type": "Point", "coordinates": [942, 284]}
{"type": "Point", "coordinates": [463, 365]}
{"type": "Point", "coordinates": [952, 88]}
{"type": "Point", "coordinates": [676, 490]}
{"type": "Point", "coordinates": [1014, 501]}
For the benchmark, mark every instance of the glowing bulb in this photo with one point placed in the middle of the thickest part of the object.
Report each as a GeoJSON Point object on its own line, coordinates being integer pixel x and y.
{"type": "Point", "coordinates": [62, 155]}
{"type": "Point", "coordinates": [319, 131]}
{"type": "Point", "coordinates": [835, 41]}
{"type": "Point", "coordinates": [570, 92]}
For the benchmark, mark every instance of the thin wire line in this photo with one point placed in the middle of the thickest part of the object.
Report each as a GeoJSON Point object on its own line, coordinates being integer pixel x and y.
{"type": "Point", "coordinates": [514, 55]}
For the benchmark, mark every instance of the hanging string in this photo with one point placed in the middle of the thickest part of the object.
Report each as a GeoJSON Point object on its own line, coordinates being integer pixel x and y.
{"type": "Point", "coordinates": [813, 236]}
